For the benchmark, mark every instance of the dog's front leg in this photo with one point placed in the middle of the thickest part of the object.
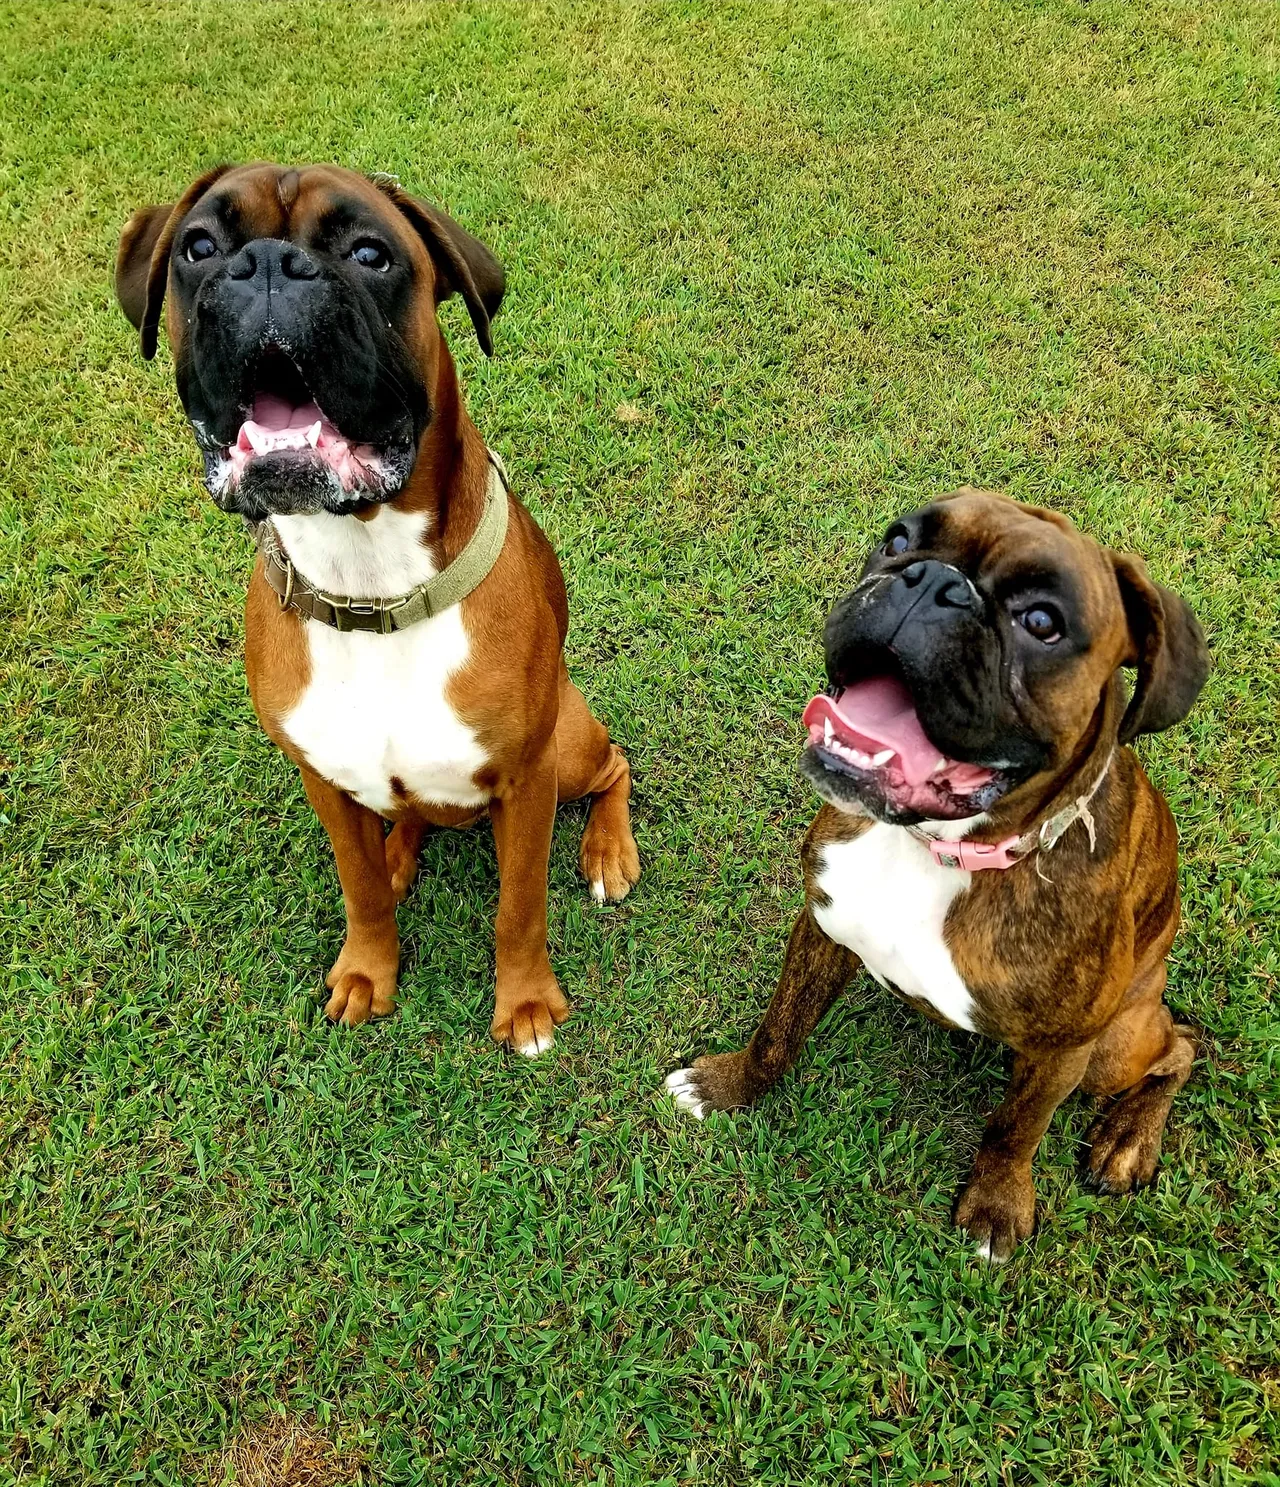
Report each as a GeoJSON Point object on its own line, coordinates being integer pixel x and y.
{"type": "Point", "coordinates": [998, 1205]}
{"type": "Point", "coordinates": [814, 974]}
{"type": "Point", "coordinates": [528, 1002]}
{"type": "Point", "coordinates": [363, 978]}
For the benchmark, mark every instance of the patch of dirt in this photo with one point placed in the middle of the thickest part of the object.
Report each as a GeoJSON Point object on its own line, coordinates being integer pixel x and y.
{"type": "Point", "coordinates": [280, 1452]}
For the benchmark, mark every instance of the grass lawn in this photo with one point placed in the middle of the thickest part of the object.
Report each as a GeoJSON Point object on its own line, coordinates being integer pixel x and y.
{"type": "Point", "coordinates": [776, 273]}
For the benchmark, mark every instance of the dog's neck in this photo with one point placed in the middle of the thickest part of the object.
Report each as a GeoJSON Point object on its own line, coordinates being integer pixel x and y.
{"type": "Point", "coordinates": [392, 548]}
{"type": "Point", "coordinates": [1078, 776]}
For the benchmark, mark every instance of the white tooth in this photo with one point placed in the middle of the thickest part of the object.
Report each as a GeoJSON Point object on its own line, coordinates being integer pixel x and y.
{"type": "Point", "coordinates": [882, 757]}
{"type": "Point", "coordinates": [863, 761]}
{"type": "Point", "coordinates": [826, 732]}
{"type": "Point", "coordinates": [259, 438]}
{"type": "Point", "coordinates": [313, 434]}
{"type": "Point", "coordinates": [938, 768]}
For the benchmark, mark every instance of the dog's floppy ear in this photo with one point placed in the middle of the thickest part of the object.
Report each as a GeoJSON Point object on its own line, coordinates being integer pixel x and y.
{"type": "Point", "coordinates": [463, 263]}
{"type": "Point", "coordinates": [1169, 651]}
{"type": "Point", "coordinates": [133, 258]}
{"type": "Point", "coordinates": [142, 260]}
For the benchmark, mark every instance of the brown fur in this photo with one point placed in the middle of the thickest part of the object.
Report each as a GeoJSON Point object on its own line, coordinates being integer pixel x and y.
{"type": "Point", "coordinates": [542, 742]}
{"type": "Point", "coordinates": [1063, 954]}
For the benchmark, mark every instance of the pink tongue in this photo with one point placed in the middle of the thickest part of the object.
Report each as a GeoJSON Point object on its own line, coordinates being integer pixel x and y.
{"type": "Point", "coordinates": [273, 414]}
{"type": "Point", "coordinates": [277, 424]}
{"type": "Point", "coordinates": [881, 712]}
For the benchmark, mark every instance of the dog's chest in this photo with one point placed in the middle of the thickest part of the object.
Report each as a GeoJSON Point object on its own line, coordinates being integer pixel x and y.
{"type": "Point", "coordinates": [374, 718]}
{"type": "Point", "coordinates": [888, 901]}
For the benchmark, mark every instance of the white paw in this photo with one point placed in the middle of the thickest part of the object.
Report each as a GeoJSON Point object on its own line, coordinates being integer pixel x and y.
{"type": "Point", "coordinates": [539, 1043]}
{"type": "Point", "coordinates": [597, 890]}
{"type": "Point", "coordinates": [983, 1251]}
{"type": "Point", "coordinates": [681, 1087]}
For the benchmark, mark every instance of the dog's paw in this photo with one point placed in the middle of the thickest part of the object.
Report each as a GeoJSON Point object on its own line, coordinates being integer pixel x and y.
{"type": "Point", "coordinates": [608, 857]}
{"type": "Point", "coordinates": [714, 1082]}
{"type": "Point", "coordinates": [682, 1086]}
{"type": "Point", "coordinates": [998, 1211]}
{"type": "Point", "coordinates": [1124, 1145]}
{"type": "Point", "coordinates": [362, 984]}
{"type": "Point", "coordinates": [526, 1017]}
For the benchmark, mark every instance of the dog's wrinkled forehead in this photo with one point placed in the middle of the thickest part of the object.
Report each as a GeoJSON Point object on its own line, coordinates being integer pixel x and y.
{"type": "Point", "coordinates": [308, 204]}
{"type": "Point", "coordinates": [998, 541]}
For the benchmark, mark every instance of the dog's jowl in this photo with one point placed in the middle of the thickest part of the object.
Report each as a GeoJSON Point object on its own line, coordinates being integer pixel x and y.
{"type": "Point", "coordinates": [406, 616]}
{"type": "Point", "coordinates": [990, 849]}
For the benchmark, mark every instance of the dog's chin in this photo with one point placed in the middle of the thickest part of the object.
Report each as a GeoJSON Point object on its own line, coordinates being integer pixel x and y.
{"type": "Point", "coordinates": [885, 796]}
{"type": "Point", "coordinates": [301, 482]}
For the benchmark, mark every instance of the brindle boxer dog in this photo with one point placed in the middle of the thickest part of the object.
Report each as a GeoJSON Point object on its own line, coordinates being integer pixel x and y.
{"type": "Point", "coordinates": [990, 849]}
{"type": "Point", "coordinates": [406, 616]}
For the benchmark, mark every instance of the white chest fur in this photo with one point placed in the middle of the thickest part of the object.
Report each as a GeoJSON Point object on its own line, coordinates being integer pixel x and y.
{"type": "Point", "coordinates": [888, 902]}
{"type": "Point", "coordinates": [375, 706]}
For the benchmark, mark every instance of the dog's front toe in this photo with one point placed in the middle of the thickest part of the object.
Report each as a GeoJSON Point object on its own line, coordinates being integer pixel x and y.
{"type": "Point", "coordinates": [526, 1020]}
{"type": "Point", "coordinates": [682, 1086]}
{"type": "Point", "coordinates": [362, 982]}
{"type": "Point", "coordinates": [356, 998]}
{"type": "Point", "coordinates": [997, 1211]}
{"type": "Point", "coordinates": [714, 1082]}
{"type": "Point", "coordinates": [532, 1030]}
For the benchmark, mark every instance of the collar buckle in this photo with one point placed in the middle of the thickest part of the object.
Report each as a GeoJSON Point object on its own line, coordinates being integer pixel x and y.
{"type": "Point", "coordinates": [972, 857]}
{"type": "Point", "coordinates": [364, 614]}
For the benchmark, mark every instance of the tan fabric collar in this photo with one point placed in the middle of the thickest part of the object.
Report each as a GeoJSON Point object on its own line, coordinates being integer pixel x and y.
{"type": "Point", "coordinates": [383, 616]}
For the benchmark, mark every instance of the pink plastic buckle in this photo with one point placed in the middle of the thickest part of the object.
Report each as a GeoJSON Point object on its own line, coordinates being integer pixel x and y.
{"type": "Point", "coordinates": [974, 856]}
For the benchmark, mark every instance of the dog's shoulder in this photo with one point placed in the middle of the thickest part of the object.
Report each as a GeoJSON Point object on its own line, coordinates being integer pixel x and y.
{"type": "Point", "coordinates": [829, 826]}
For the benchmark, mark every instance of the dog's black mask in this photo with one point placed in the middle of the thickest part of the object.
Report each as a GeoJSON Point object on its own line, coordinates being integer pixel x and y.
{"type": "Point", "coordinates": [296, 347]}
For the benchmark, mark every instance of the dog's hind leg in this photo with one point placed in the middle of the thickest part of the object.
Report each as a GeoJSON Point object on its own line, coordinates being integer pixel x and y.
{"type": "Point", "coordinates": [1145, 1058]}
{"type": "Point", "coordinates": [589, 764]}
{"type": "Point", "coordinates": [404, 842]}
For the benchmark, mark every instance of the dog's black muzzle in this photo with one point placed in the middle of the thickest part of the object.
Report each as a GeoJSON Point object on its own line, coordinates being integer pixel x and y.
{"type": "Point", "coordinates": [929, 623]}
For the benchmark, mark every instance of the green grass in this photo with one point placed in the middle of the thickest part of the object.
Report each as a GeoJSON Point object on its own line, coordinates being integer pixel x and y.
{"type": "Point", "coordinates": [840, 258]}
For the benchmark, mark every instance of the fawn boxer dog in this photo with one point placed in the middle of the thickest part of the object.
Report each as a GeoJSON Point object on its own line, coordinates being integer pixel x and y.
{"type": "Point", "coordinates": [989, 848]}
{"type": "Point", "coordinates": [406, 616]}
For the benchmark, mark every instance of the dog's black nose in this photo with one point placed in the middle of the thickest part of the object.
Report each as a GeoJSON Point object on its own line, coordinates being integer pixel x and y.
{"type": "Point", "coordinates": [270, 262]}
{"type": "Point", "coordinates": [949, 587]}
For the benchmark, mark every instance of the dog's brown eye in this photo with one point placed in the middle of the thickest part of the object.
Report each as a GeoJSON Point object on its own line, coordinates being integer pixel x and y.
{"type": "Point", "coordinates": [371, 255]}
{"type": "Point", "coordinates": [200, 247]}
{"type": "Point", "coordinates": [1043, 622]}
{"type": "Point", "coordinates": [897, 542]}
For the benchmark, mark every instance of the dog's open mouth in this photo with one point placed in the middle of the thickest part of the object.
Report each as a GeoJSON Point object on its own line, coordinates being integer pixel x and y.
{"type": "Point", "coordinates": [288, 455]}
{"type": "Point", "coordinates": [274, 425]}
{"type": "Point", "coordinates": [869, 736]}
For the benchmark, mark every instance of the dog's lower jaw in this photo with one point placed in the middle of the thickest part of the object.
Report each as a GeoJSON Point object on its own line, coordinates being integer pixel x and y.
{"type": "Point", "coordinates": [858, 795]}
{"type": "Point", "coordinates": [284, 486]}
{"type": "Point", "coordinates": [844, 793]}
